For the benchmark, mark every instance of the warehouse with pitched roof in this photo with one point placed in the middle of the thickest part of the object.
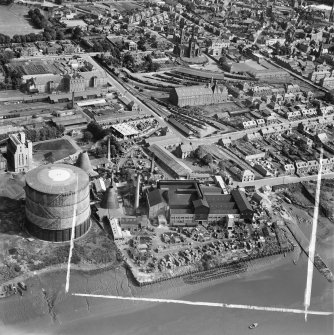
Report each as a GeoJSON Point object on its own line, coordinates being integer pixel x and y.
{"type": "Point", "coordinates": [198, 95]}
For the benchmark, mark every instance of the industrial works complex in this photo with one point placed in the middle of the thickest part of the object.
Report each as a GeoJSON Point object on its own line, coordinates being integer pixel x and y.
{"type": "Point", "coordinates": [58, 194]}
{"type": "Point", "coordinates": [188, 203]}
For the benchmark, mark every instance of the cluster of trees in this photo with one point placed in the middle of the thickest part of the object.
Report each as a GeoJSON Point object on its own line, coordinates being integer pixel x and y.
{"type": "Point", "coordinates": [329, 96]}
{"type": "Point", "coordinates": [48, 34]}
{"type": "Point", "coordinates": [115, 148]}
{"type": "Point", "coordinates": [112, 60]}
{"type": "Point", "coordinates": [141, 43]}
{"type": "Point", "coordinates": [203, 156]}
{"type": "Point", "coordinates": [46, 133]}
{"type": "Point", "coordinates": [95, 132]}
{"type": "Point", "coordinates": [129, 62]}
{"type": "Point", "coordinates": [149, 66]}
{"type": "Point", "coordinates": [105, 46]}
{"type": "Point", "coordinates": [37, 18]}
{"type": "Point", "coordinates": [76, 33]}
{"type": "Point", "coordinates": [4, 39]}
{"type": "Point", "coordinates": [6, 56]}
{"type": "Point", "coordinates": [281, 49]}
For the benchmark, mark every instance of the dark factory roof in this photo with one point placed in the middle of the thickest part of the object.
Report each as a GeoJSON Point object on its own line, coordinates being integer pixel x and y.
{"type": "Point", "coordinates": [241, 200]}
{"type": "Point", "coordinates": [154, 197]}
{"type": "Point", "coordinates": [57, 179]}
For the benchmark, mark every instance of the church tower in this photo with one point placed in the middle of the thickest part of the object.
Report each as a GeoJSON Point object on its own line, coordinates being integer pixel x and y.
{"type": "Point", "coordinates": [192, 44]}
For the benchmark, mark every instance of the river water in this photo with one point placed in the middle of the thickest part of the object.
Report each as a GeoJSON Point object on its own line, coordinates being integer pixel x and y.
{"type": "Point", "coordinates": [282, 286]}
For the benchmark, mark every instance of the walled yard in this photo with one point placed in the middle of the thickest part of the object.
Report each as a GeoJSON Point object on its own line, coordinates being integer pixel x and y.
{"type": "Point", "coordinates": [53, 150]}
{"type": "Point", "coordinates": [125, 6]}
{"type": "Point", "coordinates": [221, 109]}
{"type": "Point", "coordinates": [165, 252]}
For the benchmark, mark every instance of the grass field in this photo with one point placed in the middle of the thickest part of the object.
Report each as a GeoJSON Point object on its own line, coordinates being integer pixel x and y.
{"type": "Point", "coordinates": [57, 149]}
{"type": "Point", "coordinates": [220, 109]}
{"type": "Point", "coordinates": [13, 20]}
{"type": "Point", "coordinates": [124, 6]}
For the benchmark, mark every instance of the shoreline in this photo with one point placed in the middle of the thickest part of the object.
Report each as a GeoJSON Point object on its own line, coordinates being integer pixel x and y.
{"type": "Point", "coordinates": [95, 308]}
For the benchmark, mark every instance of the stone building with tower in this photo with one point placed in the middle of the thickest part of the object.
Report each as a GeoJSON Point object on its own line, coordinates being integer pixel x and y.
{"type": "Point", "coordinates": [199, 95]}
{"type": "Point", "coordinates": [19, 153]}
{"type": "Point", "coordinates": [185, 47]}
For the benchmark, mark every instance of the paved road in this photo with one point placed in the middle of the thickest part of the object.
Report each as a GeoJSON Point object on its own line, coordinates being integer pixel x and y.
{"type": "Point", "coordinates": [129, 92]}
{"type": "Point", "coordinates": [283, 180]}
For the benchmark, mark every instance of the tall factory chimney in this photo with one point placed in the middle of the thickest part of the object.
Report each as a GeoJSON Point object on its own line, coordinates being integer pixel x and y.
{"type": "Point", "coordinates": [331, 14]}
{"type": "Point", "coordinates": [72, 99]}
{"type": "Point", "coordinates": [108, 155]}
{"type": "Point", "coordinates": [152, 165]}
{"type": "Point", "coordinates": [137, 192]}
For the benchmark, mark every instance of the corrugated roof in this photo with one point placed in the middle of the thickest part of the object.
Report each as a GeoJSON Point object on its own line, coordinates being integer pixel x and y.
{"type": "Point", "coordinates": [193, 91]}
{"type": "Point", "coordinates": [170, 160]}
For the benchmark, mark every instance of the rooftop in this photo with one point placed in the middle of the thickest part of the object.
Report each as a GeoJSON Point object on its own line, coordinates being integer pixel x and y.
{"type": "Point", "coordinates": [57, 179]}
{"type": "Point", "coordinates": [125, 129]}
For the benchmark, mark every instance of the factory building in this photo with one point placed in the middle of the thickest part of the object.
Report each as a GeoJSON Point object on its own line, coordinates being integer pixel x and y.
{"type": "Point", "coordinates": [174, 166]}
{"type": "Point", "coordinates": [56, 196]}
{"type": "Point", "coordinates": [19, 153]}
{"type": "Point", "coordinates": [124, 130]}
{"type": "Point", "coordinates": [198, 95]}
{"type": "Point", "coordinates": [188, 203]}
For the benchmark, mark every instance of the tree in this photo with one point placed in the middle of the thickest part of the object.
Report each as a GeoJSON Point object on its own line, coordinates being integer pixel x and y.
{"type": "Point", "coordinates": [97, 131]}
{"type": "Point", "coordinates": [113, 151]}
{"type": "Point", "coordinates": [329, 96]}
{"type": "Point", "coordinates": [222, 60]}
{"type": "Point", "coordinates": [88, 136]}
{"type": "Point", "coordinates": [59, 2]}
{"type": "Point", "coordinates": [128, 60]}
{"type": "Point", "coordinates": [77, 33]}
{"type": "Point", "coordinates": [60, 35]}
{"type": "Point", "coordinates": [199, 152]}
{"type": "Point", "coordinates": [207, 159]}
{"type": "Point", "coordinates": [221, 165]}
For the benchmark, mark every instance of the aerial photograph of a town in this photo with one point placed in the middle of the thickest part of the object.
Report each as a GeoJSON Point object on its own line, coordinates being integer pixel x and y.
{"type": "Point", "coordinates": [166, 167]}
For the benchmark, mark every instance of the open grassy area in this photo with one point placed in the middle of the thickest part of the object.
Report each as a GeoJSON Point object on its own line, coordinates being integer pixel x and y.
{"type": "Point", "coordinates": [52, 150]}
{"type": "Point", "coordinates": [326, 196]}
{"type": "Point", "coordinates": [124, 6]}
{"type": "Point", "coordinates": [14, 20]}
{"type": "Point", "coordinates": [220, 109]}
{"type": "Point", "coordinates": [19, 255]}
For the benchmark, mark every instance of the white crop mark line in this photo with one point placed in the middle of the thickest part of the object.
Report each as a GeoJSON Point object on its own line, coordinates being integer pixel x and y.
{"type": "Point", "coordinates": [207, 304]}
{"type": "Point", "coordinates": [309, 278]}
{"type": "Point", "coordinates": [72, 239]}
{"type": "Point", "coordinates": [308, 289]}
